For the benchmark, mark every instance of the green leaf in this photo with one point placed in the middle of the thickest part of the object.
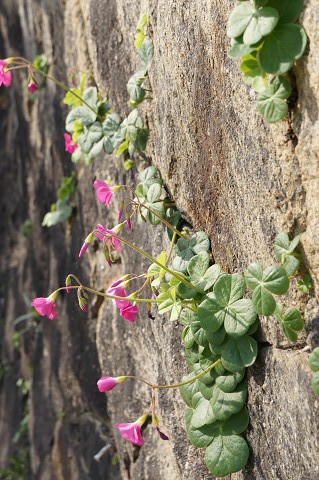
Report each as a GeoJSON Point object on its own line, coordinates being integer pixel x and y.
{"type": "Point", "coordinates": [188, 338]}
{"type": "Point", "coordinates": [225, 404]}
{"type": "Point", "coordinates": [229, 288]}
{"type": "Point", "coordinates": [198, 265]}
{"type": "Point", "coordinates": [254, 23]}
{"type": "Point", "coordinates": [154, 193]}
{"type": "Point", "coordinates": [199, 437]}
{"type": "Point", "coordinates": [187, 317]}
{"type": "Point", "coordinates": [228, 382]}
{"type": "Point", "coordinates": [200, 242]}
{"type": "Point", "coordinates": [149, 173]}
{"type": "Point", "coordinates": [239, 49]}
{"type": "Point", "coordinates": [209, 377]}
{"type": "Point", "coordinates": [199, 335]}
{"type": "Point", "coordinates": [76, 155]}
{"type": "Point", "coordinates": [240, 316]}
{"type": "Point", "coordinates": [122, 148]}
{"type": "Point", "coordinates": [283, 246]}
{"type": "Point", "coordinates": [90, 95]}
{"type": "Point", "coordinates": [238, 353]}
{"type": "Point", "coordinates": [63, 212]}
{"type": "Point", "coordinates": [315, 383]}
{"type": "Point", "coordinates": [189, 390]}
{"type": "Point", "coordinates": [282, 48]}
{"type": "Point", "coordinates": [253, 74]}
{"type": "Point", "coordinates": [288, 9]}
{"type": "Point", "coordinates": [81, 114]}
{"type": "Point", "coordinates": [211, 315]}
{"type": "Point", "coordinates": [274, 279]}
{"type": "Point", "coordinates": [146, 52]}
{"type": "Point", "coordinates": [216, 338]}
{"type": "Point", "coordinates": [226, 454]}
{"type": "Point", "coordinates": [71, 100]}
{"type": "Point", "coordinates": [136, 92]}
{"type": "Point", "coordinates": [291, 322]}
{"type": "Point", "coordinates": [191, 355]}
{"type": "Point", "coordinates": [271, 101]}
{"type": "Point", "coordinates": [263, 301]}
{"type": "Point", "coordinates": [291, 265]}
{"type": "Point", "coordinates": [203, 414]}
{"type": "Point", "coordinates": [304, 284]}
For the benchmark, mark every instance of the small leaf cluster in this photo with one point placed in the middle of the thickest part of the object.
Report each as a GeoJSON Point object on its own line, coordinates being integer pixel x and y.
{"type": "Point", "coordinates": [314, 365]}
{"type": "Point", "coordinates": [133, 134]}
{"type": "Point", "coordinates": [61, 210]}
{"type": "Point", "coordinates": [275, 280]}
{"type": "Point", "coordinates": [152, 198]}
{"type": "Point", "coordinates": [264, 34]}
{"type": "Point", "coordinates": [91, 123]}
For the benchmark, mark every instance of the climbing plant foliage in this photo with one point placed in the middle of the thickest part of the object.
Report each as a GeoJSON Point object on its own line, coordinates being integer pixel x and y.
{"type": "Point", "coordinates": [265, 36]}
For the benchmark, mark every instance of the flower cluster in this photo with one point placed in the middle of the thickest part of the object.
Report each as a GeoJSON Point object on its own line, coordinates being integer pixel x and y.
{"type": "Point", "coordinates": [127, 309]}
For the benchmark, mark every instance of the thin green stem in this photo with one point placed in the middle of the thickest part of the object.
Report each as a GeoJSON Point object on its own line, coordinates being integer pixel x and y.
{"type": "Point", "coordinates": [177, 385]}
{"type": "Point", "coordinates": [153, 260]}
{"type": "Point", "coordinates": [66, 88]}
{"type": "Point", "coordinates": [106, 295]}
{"type": "Point", "coordinates": [180, 234]}
{"type": "Point", "coordinates": [171, 247]}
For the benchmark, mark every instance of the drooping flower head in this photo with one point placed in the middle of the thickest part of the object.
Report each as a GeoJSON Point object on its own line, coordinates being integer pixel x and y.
{"type": "Point", "coordinates": [45, 306]}
{"type": "Point", "coordinates": [32, 86]}
{"type": "Point", "coordinates": [5, 76]}
{"type": "Point", "coordinates": [105, 384]}
{"type": "Point", "coordinates": [132, 431]}
{"type": "Point", "coordinates": [70, 146]}
{"type": "Point", "coordinates": [129, 311]}
{"type": "Point", "coordinates": [155, 423]}
{"type": "Point", "coordinates": [82, 299]}
{"type": "Point", "coordinates": [104, 191]}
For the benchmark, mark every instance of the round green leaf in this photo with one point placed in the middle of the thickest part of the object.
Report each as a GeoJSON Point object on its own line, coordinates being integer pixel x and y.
{"type": "Point", "coordinates": [275, 280]}
{"type": "Point", "coordinates": [203, 414]}
{"type": "Point", "coordinates": [228, 383]}
{"type": "Point", "coordinates": [206, 391]}
{"type": "Point", "coordinates": [198, 266]}
{"type": "Point", "coordinates": [314, 360]}
{"type": "Point", "coordinates": [189, 390]}
{"type": "Point", "coordinates": [271, 101]}
{"type": "Point", "coordinates": [254, 23]}
{"type": "Point", "coordinates": [216, 338]}
{"type": "Point", "coordinates": [238, 353]}
{"type": "Point", "coordinates": [254, 275]}
{"type": "Point", "coordinates": [199, 437]}
{"type": "Point", "coordinates": [240, 316]}
{"type": "Point", "coordinates": [253, 74]}
{"type": "Point", "coordinates": [282, 47]}
{"type": "Point", "coordinates": [210, 314]}
{"type": "Point", "coordinates": [199, 334]}
{"type": "Point", "coordinates": [208, 378]}
{"type": "Point", "coordinates": [229, 288]}
{"type": "Point", "coordinates": [237, 423]}
{"type": "Point", "coordinates": [239, 49]}
{"type": "Point", "coordinates": [226, 454]}
{"type": "Point", "coordinates": [288, 9]}
{"type": "Point", "coordinates": [191, 354]}
{"type": "Point", "coordinates": [263, 301]}
{"type": "Point", "coordinates": [200, 242]}
{"type": "Point", "coordinates": [225, 404]}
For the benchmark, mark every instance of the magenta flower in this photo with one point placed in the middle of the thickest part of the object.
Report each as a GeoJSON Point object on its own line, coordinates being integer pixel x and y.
{"type": "Point", "coordinates": [105, 384]}
{"type": "Point", "coordinates": [132, 431]}
{"type": "Point", "coordinates": [104, 192]}
{"type": "Point", "coordinates": [32, 86]}
{"type": "Point", "coordinates": [69, 145]}
{"type": "Point", "coordinates": [117, 289]}
{"type": "Point", "coordinates": [5, 77]}
{"type": "Point", "coordinates": [128, 224]}
{"type": "Point", "coordinates": [128, 311]}
{"type": "Point", "coordinates": [106, 237]}
{"type": "Point", "coordinates": [45, 307]}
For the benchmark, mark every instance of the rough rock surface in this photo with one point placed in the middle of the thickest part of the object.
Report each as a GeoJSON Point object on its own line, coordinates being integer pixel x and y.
{"type": "Point", "coordinates": [231, 175]}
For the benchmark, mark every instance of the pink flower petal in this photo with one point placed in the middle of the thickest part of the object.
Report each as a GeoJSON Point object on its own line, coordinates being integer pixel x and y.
{"type": "Point", "coordinates": [105, 384]}
{"type": "Point", "coordinates": [129, 312]}
{"type": "Point", "coordinates": [44, 307]}
{"type": "Point", "coordinates": [131, 432]}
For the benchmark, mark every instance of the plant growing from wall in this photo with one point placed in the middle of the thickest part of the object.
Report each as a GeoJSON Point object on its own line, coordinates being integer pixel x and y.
{"type": "Point", "coordinates": [265, 36]}
{"type": "Point", "coordinates": [219, 310]}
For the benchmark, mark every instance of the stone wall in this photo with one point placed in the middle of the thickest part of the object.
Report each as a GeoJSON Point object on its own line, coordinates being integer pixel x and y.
{"type": "Point", "coordinates": [231, 175]}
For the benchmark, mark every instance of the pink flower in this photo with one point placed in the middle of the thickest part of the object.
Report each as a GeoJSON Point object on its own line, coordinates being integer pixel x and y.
{"type": "Point", "coordinates": [117, 290]}
{"type": "Point", "coordinates": [109, 241]}
{"type": "Point", "coordinates": [128, 224]}
{"type": "Point", "coordinates": [5, 77]}
{"type": "Point", "coordinates": [45, 307]}
{"type": "Point", "coordinates": [132, 431]}
{"type": "Point", "coordinates": [105, 384]}
{"type": "Point", "coordinates": [84, 248]}
{"type": "Point", "coordinates": [104, 192]}
{"type": "Point", "coordinates": [129, 311]}
{"type": "Point", "coordinates": [69, 145]}
{"type": "Point", "coordinates": [32, 86]}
